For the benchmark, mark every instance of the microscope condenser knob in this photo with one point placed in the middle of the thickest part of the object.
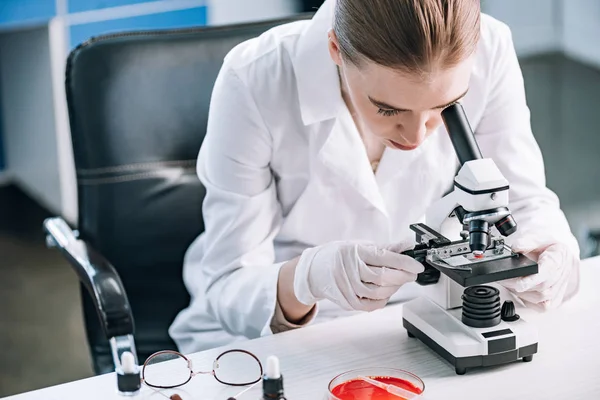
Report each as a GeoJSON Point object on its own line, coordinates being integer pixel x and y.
{"type": "Point", "coordinates": [509, 312]}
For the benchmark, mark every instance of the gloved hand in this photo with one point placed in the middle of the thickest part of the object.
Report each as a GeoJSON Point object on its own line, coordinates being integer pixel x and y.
{"type": "Point", "coordinates": [558, 273]}
{"type": "Point", "coordinates": [355, 276]}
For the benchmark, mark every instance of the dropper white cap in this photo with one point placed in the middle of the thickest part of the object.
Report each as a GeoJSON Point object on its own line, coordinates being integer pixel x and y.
{"type": "Point", "coordinates": [128, 363]}
{"type": "Point", "coordinates": [273, 371]}
{"type": "Point", "coordinates": [128, 375]}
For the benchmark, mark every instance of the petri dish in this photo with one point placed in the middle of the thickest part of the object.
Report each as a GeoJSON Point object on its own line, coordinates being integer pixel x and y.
{"type": "Point", "coordinates": [348, 386]}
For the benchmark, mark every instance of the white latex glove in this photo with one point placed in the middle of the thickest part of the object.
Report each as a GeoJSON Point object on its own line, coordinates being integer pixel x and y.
{"type": "Point", "coordinates": [557, 279]}
{"type": "Point", "coordinates": [355, 276]}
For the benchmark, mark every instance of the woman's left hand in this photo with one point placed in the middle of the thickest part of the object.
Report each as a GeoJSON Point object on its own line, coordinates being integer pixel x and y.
{"type": "Point", "coordinates": [558, 273]}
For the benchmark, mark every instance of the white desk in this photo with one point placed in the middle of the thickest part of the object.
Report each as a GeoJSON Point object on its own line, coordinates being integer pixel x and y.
{"type": "Point", "coordinates": [567, 365]}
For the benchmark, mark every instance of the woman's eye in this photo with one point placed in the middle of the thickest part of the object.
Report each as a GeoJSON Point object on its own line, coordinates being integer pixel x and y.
{"type": "Point", "coordinates": [387, 113]}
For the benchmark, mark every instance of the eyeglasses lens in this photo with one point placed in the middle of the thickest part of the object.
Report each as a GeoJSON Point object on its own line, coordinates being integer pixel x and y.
{"type": "Point", "coordinates": [237, 368]}
{"type": "Point", "coordinates": [166, 370]}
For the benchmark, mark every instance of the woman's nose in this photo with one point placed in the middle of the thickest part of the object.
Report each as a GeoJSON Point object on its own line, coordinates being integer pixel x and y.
{"type": "Point", "coordinates": [414, 132]}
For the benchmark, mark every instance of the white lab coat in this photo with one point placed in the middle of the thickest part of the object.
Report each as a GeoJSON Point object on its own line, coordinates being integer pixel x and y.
{"type": "Point", "coordinates": [285, 169]}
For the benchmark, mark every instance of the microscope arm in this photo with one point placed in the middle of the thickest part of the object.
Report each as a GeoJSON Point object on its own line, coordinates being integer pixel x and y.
{"type": "Point", "coordinates": [437, 216]}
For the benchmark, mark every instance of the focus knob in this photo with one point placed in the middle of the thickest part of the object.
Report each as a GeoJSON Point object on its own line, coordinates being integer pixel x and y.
{"type": "Point", "coordinates": [509, 313]}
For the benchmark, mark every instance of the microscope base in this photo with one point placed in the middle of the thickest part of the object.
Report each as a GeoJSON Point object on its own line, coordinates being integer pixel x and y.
{"type": "Point", "coordinates": [463, 346]}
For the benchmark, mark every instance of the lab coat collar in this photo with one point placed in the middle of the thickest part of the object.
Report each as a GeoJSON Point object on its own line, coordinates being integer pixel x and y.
{"type": "Point", "coordinates": [320, 100]}
{"type": "Point", "coordinates": [344, 154]}
{"type": "Point", "coordinates": [317, 78]}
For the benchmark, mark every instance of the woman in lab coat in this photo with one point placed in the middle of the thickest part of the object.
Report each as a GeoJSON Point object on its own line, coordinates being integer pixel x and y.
{"type": "Point", "coordinates": [324, 144]}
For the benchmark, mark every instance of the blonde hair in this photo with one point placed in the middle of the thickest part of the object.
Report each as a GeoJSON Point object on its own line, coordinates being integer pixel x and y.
{"type": "Point", "coordinates": [409, 35]}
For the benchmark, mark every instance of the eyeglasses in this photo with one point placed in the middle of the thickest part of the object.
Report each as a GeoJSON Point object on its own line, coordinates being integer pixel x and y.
{"type": "Point", "coordinates": [170, 369]}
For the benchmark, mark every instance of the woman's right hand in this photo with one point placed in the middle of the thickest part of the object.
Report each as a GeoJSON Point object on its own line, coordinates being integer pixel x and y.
{"type": "Point", "coordinates": [355, 276]}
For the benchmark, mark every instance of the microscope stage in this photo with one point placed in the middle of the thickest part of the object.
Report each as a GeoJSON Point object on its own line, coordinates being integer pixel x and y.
{"type": "Point", "coordinates": [490, 271]}
{"type": "Point", "coordinates": [463, 346]}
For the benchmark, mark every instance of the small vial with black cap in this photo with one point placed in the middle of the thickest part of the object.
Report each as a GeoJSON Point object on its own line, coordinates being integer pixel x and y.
{"type": "Point", "coordinates": [128, 375]}
{"type": "Point", "coordinates": [273, 381]}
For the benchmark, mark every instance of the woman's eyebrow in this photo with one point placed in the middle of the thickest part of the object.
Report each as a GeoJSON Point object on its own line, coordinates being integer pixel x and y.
{"type": "Point", "coordinates": [386, 106]}
{"type": "Point", "coordinates": [383, 105]}
{"type": "Point", "coordinates": [453, 101]}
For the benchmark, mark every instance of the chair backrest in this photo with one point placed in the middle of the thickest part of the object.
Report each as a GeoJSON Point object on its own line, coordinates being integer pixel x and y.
{"type": "Point", "coordinates": [138, 105]}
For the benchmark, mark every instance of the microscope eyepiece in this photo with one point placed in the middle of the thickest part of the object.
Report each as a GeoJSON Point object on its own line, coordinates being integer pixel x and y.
{"type": "Point", "coordinates": [461, 134]}
{"type": "Point", "coordinates": [478, 235]}
{"type": "Point", "coordinates": [506, 226]}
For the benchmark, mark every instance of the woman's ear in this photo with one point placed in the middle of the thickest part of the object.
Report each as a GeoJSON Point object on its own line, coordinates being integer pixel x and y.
{"type": "Point", "coordinates": [334, 47]}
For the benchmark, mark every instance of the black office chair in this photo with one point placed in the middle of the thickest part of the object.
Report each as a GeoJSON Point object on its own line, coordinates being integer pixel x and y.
{"type": "Point", "coordinates": [138, 105]}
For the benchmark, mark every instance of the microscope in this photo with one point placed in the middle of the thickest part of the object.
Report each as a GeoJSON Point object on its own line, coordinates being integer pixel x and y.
{"type": "Point", "coordinates": [461, 317]}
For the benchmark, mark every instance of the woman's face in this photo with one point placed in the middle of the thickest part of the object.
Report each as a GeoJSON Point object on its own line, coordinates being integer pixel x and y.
{"type": "Point", "coordinates": [398, 108]}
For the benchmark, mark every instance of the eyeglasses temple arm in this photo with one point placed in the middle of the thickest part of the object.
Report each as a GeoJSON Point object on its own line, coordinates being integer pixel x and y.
{"type": "Point", "coordinates": [244, 391]}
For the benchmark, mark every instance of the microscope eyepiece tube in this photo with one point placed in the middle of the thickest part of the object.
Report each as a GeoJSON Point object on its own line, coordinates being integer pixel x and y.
{"type": "Point", "coordinates": [461, 134]}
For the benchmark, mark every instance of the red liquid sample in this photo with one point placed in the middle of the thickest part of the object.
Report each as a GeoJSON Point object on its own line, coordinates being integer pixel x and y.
{"type": "Point", "coordinates": [358, 389]}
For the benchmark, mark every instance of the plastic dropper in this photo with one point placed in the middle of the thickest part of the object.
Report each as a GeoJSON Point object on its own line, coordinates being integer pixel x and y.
{"type": "Point", "coordinates": [393, 389]}
{"type": "Point", "coordinates": [273, 380]}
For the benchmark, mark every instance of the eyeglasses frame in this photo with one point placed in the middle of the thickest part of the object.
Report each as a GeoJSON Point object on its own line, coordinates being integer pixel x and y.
{"type": "Point", "coordinates": [193, 373]}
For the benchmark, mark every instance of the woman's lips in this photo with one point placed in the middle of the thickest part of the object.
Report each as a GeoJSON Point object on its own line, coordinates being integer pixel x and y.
{"type": "Point", "coordinates": [401, 146]}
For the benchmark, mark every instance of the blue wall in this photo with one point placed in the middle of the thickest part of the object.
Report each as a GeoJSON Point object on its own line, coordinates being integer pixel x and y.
{"type": "Point", "coordinates": [171, 19]}
{"type": "Point", "coordinates": [86, 5]}
{"type": "Point", "coordinates": [15, 11]}
{"type": "Point", "coordinates": [22, 12]}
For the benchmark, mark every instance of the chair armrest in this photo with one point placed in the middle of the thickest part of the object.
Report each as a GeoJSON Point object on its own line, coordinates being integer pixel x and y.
{"type": "Point", "coordinates": [97, 275]}
{"type": "Point", "coordinates": [104, 285]}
